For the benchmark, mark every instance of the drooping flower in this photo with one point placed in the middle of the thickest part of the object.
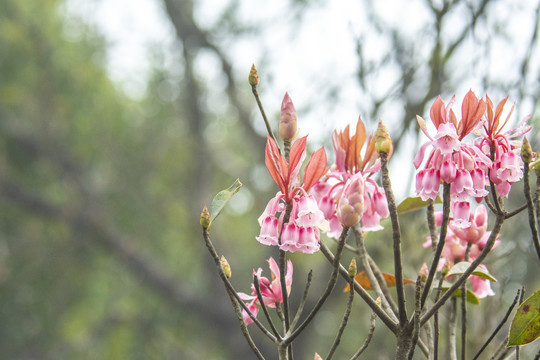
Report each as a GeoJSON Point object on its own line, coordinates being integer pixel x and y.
{"type": "Point", "coordinates": [271, 291]}
{"type": "Point", "coordinates": [507, 165]}
{"type": "Point", "coordinates": [347, 194]}
{"type": "Point", "coordinates": [299, 231]}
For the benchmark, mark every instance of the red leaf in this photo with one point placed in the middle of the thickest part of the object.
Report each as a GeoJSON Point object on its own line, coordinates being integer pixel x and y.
{"type": "Point", "coordinates": [363, 280]}
{"type": "Point", "coordinates": [275, 163]}
{"type": "Point", "coordinates": [295, 155]}
{"type": "Point", "coordinates": [315, 168]}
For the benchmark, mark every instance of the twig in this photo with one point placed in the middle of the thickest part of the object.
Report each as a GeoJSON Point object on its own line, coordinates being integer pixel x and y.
{"type": "Point", "coordinates": [436, 320]}
{"type": "Point", "coordinates": [512, 213]}
{"type": "Point", "coordinates": [261, 109]}
{"type": "Point", "coordinates": [230, 287]}
{"type": "Point", "coordinates": [368, 338]}
{"type": "Point", "coordinates": [430, 213]}
{"type": "Point", "coordinates": [329, 287]}
{"type": "Point", "coordinates": [382, 282]}
{"type": "Point", "coordinates": [243, 327]}
{"type": "Point", "coordinates": [452, 327]}
{"type": "Point", "coordinates": [372, 279]}
{"type": "Point", "coordinates": [530, 209]}
{"type": "Point", "coordinates": [303, 301]}
{"type": "Point", "coordinates": [263, 305]}
{"type": "Point", "coordinates": [464, 309]}
{"type": "Point", "coordinates": [396, 236]}
{"type": "Point", "coordinates": [344, 321]}
{"type": "Point", "coordinates": [499, 327]}
{"type": "Point", "coordinates": [416, 319]}
{"type": "Point", "coordinates": [362, 292]}
{"type": "Point", "coordinates": [440, 244]}
{"type": "Point", "coordinates": [489, 244]}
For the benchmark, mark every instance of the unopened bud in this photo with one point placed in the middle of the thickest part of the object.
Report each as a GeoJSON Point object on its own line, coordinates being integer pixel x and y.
{"type": "Point", "coordinates": [378, 301]}
{"type": "Point", "coordinates": [225, 267]}
{"type": "Point", "coordinates": [424, 272]}
{"type": "Point", "coordinates": [352, 268]}
{"type": "Point", "coordinates": [253, 77]}
{"type": "Point", "coordinates": [383, 143]}
{"type": "Point", "coordinates": [317, 357]}
{"type": "Point", "coordinates": [536, 166]}
{"type": "Point", "coordinates": [526, 151]}
{"type": "Point", "coordinates": [446, 268]}
{"type": "Point", "coordinates": [205, 218]}
{"type": "Point", "coordinates": [350, 207]}
{"type": "Point", "coordinates": [288, 120]}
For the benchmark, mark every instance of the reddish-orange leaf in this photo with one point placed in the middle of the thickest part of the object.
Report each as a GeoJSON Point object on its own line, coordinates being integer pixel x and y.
{"type": "Point", "coordinates": [275, 163]}
{"type": "Point", "coordinates": [363, 280]}
{"type": "Point", "coordinates": [295, 155]}
{"type": "Point", "coordinates": [315, 168]}
{"type": "Point", "coordinates": [360, 138]}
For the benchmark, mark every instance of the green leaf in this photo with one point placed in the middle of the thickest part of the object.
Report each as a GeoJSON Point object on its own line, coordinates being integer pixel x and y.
{"type": "Point", "coordinates": [414, 203]}
{"type": "Point", "coordinates": [221, 199]}
{"type": "Point", "coordinates": [525, 326]}
{"type": "Point", "coordinates": [461, 267]}
{"type": "Point", "coordinates": [471, 296]}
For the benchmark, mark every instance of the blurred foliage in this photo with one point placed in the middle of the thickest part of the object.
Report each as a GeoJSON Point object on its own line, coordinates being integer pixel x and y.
{"type": "Point", "coordinates": [101, 255]}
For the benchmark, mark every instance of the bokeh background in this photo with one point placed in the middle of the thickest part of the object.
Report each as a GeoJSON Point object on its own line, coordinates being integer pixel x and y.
{"type": "Point", "coordinates": [120, 119]}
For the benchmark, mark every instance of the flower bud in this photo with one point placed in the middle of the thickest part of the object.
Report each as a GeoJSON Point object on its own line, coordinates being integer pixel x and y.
{"type": "Point", "coordinates": [205, 218]}
{"type": "Point", "coordinates": [536, 166]}
{"type": "Point", "coordinates": [526, 151]}
{"type": "Point", "coordinates": [352, 268]}
{"type": "Point", "coordinates": [225, 267]}
{"type": "Point", "coordinates": [287, 120]}
{"type": "Point", "coordinates": [383, 143]}
{"type": "Point", "coordinates": [351, 203]}
{"type": "Point", "coordinates": [424, 272]}
{"type": "Point", "coordinates": [378, 301]}
{"type": "Point", "coordinates": [253, 77]}
{"type": "Point", "coordinates": [317, 357]}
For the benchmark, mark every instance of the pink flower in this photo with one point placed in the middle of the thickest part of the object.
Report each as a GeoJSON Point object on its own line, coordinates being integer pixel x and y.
{"type": "Point", "coordinates": [477, 228]}
{"type": "Point", "coordinates": [481, 287]}
{"type": "Point", "coordinates": [461, 211]}
{"type": "Point", "coordinates": [271, 291]}
{"type": "Point", "coordinates": [351, 202]}
{"type": "Point", "coordinates": [446, 139]}
{"type": "Point", "coordinates": [309, 213]}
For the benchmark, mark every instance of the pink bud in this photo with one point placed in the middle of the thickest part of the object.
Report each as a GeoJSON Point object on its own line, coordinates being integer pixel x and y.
{"type": "Point", "coordinates": [351, 203]}
{"type": "Point", "coordinates": [288, 120]}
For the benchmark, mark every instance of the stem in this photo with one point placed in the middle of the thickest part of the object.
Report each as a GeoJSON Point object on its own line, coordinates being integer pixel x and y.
{"type": "Point", "coordinates": [440, 244]}
{"type": "Point", "coordinates": [416, 319]}
{"type": "Point", "coordinates": [243, 327]}
{"type": "Point", "coordinates": [464, 309]}
{"type": "Point", "coordinates": [263, 306]}
{"type": "Point", "coordinates": [368, 338]}
{"type": "Point", "coordinates": [430, 213]}
{"type": "Point", "coordinates": [436, 320]}
{"type": "Point", "coordinates": [261, 109]}
{"type": "Point", "coordinates": [530, 209]}
{"type": "Point", "coordinates": [452, 326]}
{"type": "Point", "coordinates": [499, 327]}
{"type": "Point", "coordinates": [372, 279]}
{"type": "Point", "coordinates": [489, 244]}
{"type": "Point", "coordinates": [230, 287]}
{"type": "Point", "coordinates": [396, 236]}
{"type": "Point", "coordinates": [344, 321]}
{"type": "Point", "coordinates": [382, 282]}
{"type": "Point", "coordinates": [362, 292]}
{"type": "Point", "coordinates": [303, 301]}
{"type": "Point", "coordinates": [331, 283]}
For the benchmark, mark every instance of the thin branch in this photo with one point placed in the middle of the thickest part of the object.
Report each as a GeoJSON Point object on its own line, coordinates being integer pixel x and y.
{"type": "Point", "coordinates": [261, 109]}
{"type": "Point", "coordinates": [263, 306]}
{"type": "Point", "coordinates": [396, 236]}
{"type": "Point", "coordinates": [430, 213]}
{"type": "Point", "coordinates": [329, 287]}
{"type": "Point", "coordinates": [452, 329]}
{"type": "Point", "coordinates": [440, 244]}
{"type": "Point", "coordinates": [512, 213]}
{"type": "Point", "coordinates": [368, 338]}
{"type": "Point", "coordinates": [371, 276]}
{"type": "Point", "coordinates": [243, 327]}
{"type": "Point", "coordinates": [362, 292]}
{"type": "Point", "coordinates": [530, 209]}
{"type": "Point", "coordinates": [344, 321]}
{"type": "Point", "coordinates": [417, 312]}
{"type": "Point", "coordinates": [303, 301]}
{"type": "Point", "coordinates": [489, 244]}
{"type": "Point", "coordinates": [499, 327]}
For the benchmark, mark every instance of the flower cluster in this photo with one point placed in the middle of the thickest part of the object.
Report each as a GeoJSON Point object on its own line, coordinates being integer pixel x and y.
{"type": "Point", "coordinates": [465, 166]}
{"type": "Point", "coordinates": [270, 290]}
{"type": "Point", "coordinates": [292, 218]}
{"type": "Point", "coordinates": [347, 195]}
{"type": "Point", "coordinates": [458, 239]}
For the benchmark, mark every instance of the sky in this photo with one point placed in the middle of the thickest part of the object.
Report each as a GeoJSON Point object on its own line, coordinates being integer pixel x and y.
{"type": "Point", "coordinates": [309, 59]}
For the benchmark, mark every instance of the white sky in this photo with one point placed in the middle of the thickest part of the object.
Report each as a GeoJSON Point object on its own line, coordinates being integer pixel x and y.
{"type": "Point", "coordinates": [304, 59]}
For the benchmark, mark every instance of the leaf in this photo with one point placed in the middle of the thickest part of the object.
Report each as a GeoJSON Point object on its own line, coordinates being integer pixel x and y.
{"type": "Point", "coordinates": [471, 296]}
{"type": "Point", "coordinates": [461, 267]}
{"type": "Point", "coordinates": [315, 168]}
{"type": "Point", "coordinates": [414, 203]}
{"type": "Point", "coordinates": [362, 279]}
{"type": "Point", "coordinates": [221, 199]}
{"type": "Point", "coordinates": [275, 164]}
{"type": "Point", "coordinates": [525, 327]}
